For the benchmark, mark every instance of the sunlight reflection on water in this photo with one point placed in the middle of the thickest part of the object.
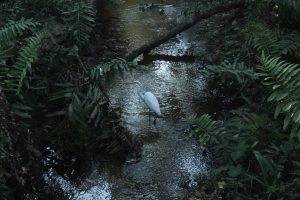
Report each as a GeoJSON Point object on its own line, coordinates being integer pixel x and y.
{"type": "Point", "coordinates": [89, 189]}
{"type": "Point", "coordinates": [167, 159]}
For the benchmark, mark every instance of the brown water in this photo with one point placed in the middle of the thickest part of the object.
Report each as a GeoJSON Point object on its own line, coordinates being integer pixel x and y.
{"type": "Point", "coordinates": [170, 161]}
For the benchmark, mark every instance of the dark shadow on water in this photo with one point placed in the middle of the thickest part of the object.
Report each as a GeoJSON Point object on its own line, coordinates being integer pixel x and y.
{"type": "Point", "coordinates": [149, 58]}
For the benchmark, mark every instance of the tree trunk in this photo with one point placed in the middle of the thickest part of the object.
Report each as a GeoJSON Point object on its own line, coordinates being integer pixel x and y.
{"type": "Point", "coordinates": [182, 27]}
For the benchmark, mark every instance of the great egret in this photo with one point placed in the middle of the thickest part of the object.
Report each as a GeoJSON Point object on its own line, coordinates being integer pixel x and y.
{"type": "Point", "coordinates": [149, 99]}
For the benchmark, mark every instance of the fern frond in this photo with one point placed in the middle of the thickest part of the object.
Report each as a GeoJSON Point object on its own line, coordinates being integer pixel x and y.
{"type": "Point", "coordinates": [22, 110]}
{"type": "Point", "coordinates": [15, 28]}
{"type": "Point", "coordinates": [80, 20]}
{"type": "Point", "coordinates": [237, 134]}
{"type": "Point", "coordinates": [262, 38]}
{"type": "Point", "coordinates": [118, 65]}
{"type": "Point", "coordinates": [259, 36]}
{"type": "Point", "coordinates": [288, 45]}
{"type": "Point", "coordinates": [257, 8]}
{"type": "Point", "coordinates": [284, 78]}
{"type": "Point", "coordinates": [204, 122]}
{"type": "Point", "coordinates": [290, 11]}
{"type": "Point", "coordinates": [84, 108]}
{"type": "Point", "coordinates": [235, 70]}
{"type": "Point", "coordinates": [17, 75]}
{"type": "Point", "coordinates": [5, 53]}
{"type": "Point", "coordinates": [65, 90]}
{"type": "Point", "coordinates": [60, 3]}
{"type": "Point", "coordinates": [10, 7]}
{"type": "Point", "coordinates": [205, 128]}
{"type": "Point", "coordinates": [244, 121]}
{"type": "Point", "coordinates": [77, 115]}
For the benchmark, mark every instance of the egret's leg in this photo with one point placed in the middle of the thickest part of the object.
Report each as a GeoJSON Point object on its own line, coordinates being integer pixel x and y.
{"type": "Point", "coordinates": [154, 122]}
{"type": "Point", "coordinates": [149, 115]}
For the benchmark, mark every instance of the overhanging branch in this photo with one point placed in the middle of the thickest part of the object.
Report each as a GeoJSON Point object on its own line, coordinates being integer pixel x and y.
{"type": "Point", "coordinates": [182, 27]}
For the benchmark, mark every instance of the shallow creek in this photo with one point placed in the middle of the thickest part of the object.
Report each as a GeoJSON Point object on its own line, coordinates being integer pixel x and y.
{"type": "Point", "coordinates": [170, 161]}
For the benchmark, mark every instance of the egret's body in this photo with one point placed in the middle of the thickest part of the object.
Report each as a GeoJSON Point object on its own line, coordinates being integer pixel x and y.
{"type": "Point", "coordinates": [149, 99]}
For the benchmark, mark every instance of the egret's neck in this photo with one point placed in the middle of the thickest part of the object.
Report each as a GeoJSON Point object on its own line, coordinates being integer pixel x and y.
{"type": "Point", "coordinates": [140, 91]}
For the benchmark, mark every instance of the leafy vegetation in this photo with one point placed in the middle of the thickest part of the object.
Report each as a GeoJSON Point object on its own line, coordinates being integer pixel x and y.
{"type": "Point", "coordinates": [16, 75]}
{"type": "Point", "coordinates": [57, 92]}
{"type": "Point", "coordinates": [80, 20]}
{"type": "Point", "coordinates": [283, 77]}
{"type": "Point", "coordinates": [52, 87]}
{"type": "Point", "coordinates": [250, 151]}
{"type": "Point", "coordinates": [255, 146]}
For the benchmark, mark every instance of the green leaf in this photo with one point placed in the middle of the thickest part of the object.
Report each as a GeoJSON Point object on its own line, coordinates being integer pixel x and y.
{"type": "Point", "coordinates": [239, 150]}
{"type": "Point", "coordinates": [55, 114]}
{"type": "Point", "coordinates": [272, 96]}
{"type": "Point", "coordinates": [265, 165]}
{"type": "Point", "coordinates": [281, 96]}
{"type": "Point", "coordinates": [285, 81]}
{"type": "Point", "coordinates": [234, 170]}
{"type": "Point", "coordinates": [21, 114]}
{"type": "Point", "coordinates": [289, 105]}
{"type": "Point", "coordinates": [297, 116]}
{"type": "Point", "coordinates": [278, 110]}
{"type": "Point", "coordinates": [287, 120]}
{"type": "Point", "coordinates": [17, 76]}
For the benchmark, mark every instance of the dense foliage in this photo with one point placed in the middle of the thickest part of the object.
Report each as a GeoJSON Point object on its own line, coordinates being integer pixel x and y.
{"type": "Point", "coordinates": [256, 146]}
{"type": "Point", "coordinates": [54, 91]}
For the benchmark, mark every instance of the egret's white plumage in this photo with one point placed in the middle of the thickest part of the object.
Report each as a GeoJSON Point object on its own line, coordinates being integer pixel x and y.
{"type": "Point", "coordinates": [152, 103]}
{"type": "Point", "coordinates": [149, 98]}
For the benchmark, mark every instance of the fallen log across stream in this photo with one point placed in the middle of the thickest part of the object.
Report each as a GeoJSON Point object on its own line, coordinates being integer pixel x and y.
{"type": "Point", "coordinates": [182, 27]}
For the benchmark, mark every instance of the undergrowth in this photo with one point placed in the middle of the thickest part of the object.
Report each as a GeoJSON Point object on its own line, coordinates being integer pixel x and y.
{"type": "Point", "coordinates": [55, 93]}
{"type": "Point", "coordinates": [255, 147]}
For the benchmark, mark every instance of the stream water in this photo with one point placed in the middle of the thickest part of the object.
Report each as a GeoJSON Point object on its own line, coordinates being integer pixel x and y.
{"type": "Point", "coordinates": [170, 161]}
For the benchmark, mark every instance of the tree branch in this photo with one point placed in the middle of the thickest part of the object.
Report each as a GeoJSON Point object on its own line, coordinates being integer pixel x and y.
{"type": "Point", "coordinates": [182, 27]}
